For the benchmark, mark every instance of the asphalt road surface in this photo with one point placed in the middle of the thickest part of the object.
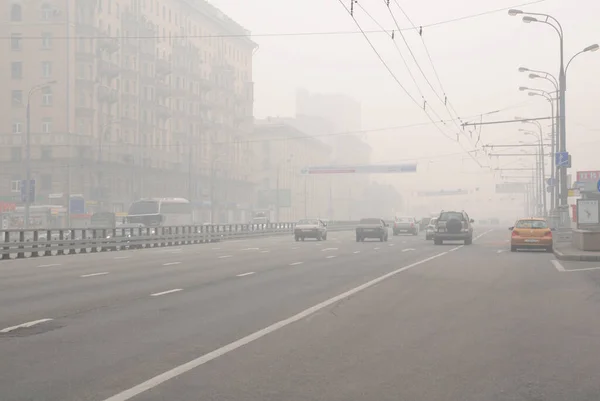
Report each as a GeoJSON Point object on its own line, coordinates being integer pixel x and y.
{"type": "Point", "coordinates": [274, 319]}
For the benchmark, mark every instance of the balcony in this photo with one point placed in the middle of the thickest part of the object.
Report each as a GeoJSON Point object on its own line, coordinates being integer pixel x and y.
{"type": "Point", "coordinates": [109, 45]}
{"type": "Point", "coordinates": [85, 55]}
{"type": "Point", "coordinates": [162, 111]}
{"type": "Point", "coordinates": [163, 89]}
{"type": "Point", "coordinates": [107, 95]}
{"type": "Point", "coordinates": [108, 69]}
{"type": "Point", "coordinates": [163, 67]}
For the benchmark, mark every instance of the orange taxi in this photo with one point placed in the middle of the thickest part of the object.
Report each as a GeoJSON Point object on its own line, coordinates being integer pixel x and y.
{"type": "Point", "coordinates": [531, 233]}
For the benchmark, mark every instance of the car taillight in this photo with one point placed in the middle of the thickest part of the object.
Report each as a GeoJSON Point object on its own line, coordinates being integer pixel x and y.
{"type": "Point", "coordinates": [548, 234]}
{"type": "Point", "coordinates": [515, 233]}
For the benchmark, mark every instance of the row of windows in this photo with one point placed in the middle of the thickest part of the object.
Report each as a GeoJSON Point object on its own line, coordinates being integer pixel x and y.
{"type": "Point", "coordinates": [18, 126]}
{"type": "Point", "coordinates": [17, 97]}
{"type": "Point", "coordinates": [16, 41]}
{"type": "Point", "coordinates": [15, 185]}
{"type": "Point", "coordinates": [47, 12]}
{"type": "Point", "coordinates": [16, 69]}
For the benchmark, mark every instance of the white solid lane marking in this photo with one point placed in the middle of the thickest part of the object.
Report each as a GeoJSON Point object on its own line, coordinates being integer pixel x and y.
{"type": "Point", "coordinates": [482, 234]}
{"type": "Point", "coordinates": [225, 256]}
{"type": "Point", "coordinates": [356, 252]}
{"type": "Point", "coordinates": [50, 265]}
{"type": "Point", "coordinates": [582, 270]}
{"type": "Point", "coordinates": [408, 250]}
{"type": "Point", "coordinates": [171, 263]}
{"type": "Point", "coordinates": [122, 257]}
{"type": "Point", "coordinates": [194, 363]}
{"type": "Point", "coordinates": [296, 263]}
{"type": "Point", "coordinates": [245, 274]}
{"type": "Point", "coordinates": [158, 294]}
{"type": "Point", "coordinates": [456, 248]}
{"type": "Point", "coordinates": [94, 274]}
{"type": "Point", "coordinates": [558, 266]}
{"type": "Point", "coordinates": [329, 249]}
{"type": "Point", "coordinates": [331, 256]}
{"type": "Point", "coordinates": [23, 325]}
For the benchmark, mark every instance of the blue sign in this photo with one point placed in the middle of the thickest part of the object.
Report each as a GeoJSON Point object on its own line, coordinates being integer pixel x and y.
{"type": "Point", "coordinates": [562, 159]}
{"type": "Point", "coordinates": [27, 191]}
{"type": "Point", "coordinates": [598, 185]}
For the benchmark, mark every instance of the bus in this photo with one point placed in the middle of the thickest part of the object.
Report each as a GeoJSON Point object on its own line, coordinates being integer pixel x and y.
{"type": "Point", "coordinates": [161, 212]}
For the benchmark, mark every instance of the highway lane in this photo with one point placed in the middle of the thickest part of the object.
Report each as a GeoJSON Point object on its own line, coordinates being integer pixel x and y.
{"type": "Point", "coordinates": [478, 323]}
{"type": "Point", "coordinates": [109, 332]}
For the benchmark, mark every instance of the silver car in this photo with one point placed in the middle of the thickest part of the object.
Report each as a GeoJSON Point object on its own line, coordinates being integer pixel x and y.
{"type": "Point", "coordinates": [310, 228]}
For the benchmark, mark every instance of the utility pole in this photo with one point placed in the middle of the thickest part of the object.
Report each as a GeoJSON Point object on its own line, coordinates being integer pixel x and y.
{"type": "Point", "coordinates": [277, 202]}
{"type": "Point", "coordinates": [28, 162]}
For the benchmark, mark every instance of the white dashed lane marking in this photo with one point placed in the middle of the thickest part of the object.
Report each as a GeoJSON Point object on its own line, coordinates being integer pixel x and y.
{"type": "Point", "coordinates": [24, 325]}
{"type": "Point", "coordinates": [158, 294]}
{"type": "Point", "coordinates": [296, 263]}
{"type": "Point", "coordinates": [225, 256]}
{"type": "Point", "coordinates": [94, 274]}
{"type": "Point", "coordinates": [245, 274]}
{"type": "Point", "coordinates": [171, 263]}
{"type": "Point", "coordinates": [50, 265]}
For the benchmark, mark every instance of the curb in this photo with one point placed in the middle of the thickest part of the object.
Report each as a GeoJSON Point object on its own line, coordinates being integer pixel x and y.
{"type": "Point", "coordinates": [576, 257]}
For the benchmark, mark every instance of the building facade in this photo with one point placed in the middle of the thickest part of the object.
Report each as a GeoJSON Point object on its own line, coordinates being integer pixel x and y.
{"type": "Point", "coordinates": [128, 99]}
{"type": "Point", "coordinates": [281, 151]}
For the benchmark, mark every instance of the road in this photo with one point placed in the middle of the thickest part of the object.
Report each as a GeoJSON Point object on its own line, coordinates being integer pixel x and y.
{"type": "Point", "coordinates": [274, 319]}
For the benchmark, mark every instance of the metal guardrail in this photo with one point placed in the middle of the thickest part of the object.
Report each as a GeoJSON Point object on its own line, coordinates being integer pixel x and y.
{"type": "Point", "coordinates": [50, 242]}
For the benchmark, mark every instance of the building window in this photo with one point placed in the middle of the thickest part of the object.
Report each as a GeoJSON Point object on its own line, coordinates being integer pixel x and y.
{"type": "Point", "coordinates": [47, 12]}
{"type": "Point", "coordinates": [46, 40]}
{"type": "Point", "coordinates": [16, 40]}
{"type": "Point", "coordinates": [16, 70]}
{"type": "Point", "coordinates": [46, 69]}
{"type": "Point", "coordinates": [15, 185]}
{"type": "Point", "coordinates": [47, 96]}
{"type": "Point", "coordinates": [17, 97]}
{"type": "Point", "coordinates": [17, 127]}
{"type": "Point", "coordinates": [47, 126]}
{"type": "Point", "coordinates": [46, 153]}
{"type": "Point", "coordinates": [46, 184]}
{"type": "Point", "coordinates": [16, 12]}
{"type": "Point", "coordinates": [15, 155]}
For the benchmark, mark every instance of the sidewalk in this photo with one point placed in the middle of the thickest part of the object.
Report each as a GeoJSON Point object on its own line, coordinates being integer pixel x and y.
{"type": "Point", "coordinates": [566, 251]}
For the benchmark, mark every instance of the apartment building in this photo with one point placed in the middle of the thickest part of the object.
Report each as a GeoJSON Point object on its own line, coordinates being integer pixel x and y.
{"type": "Point", "coordinates": [281, 152]}
{"type": "Point", "coordinates": [128, 99]}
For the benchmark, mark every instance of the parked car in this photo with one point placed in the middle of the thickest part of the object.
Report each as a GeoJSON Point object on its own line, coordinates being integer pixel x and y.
{"type": "Point", "coordinates": [430, 229]}
{"type": "Point", "coordinates": [372, 228]}
{"type": "Point", "coordinates": [531, 233]}
{"type": "Point", "coordinates": [407, 225]}
{"type": "Point", "coordinates": [453, 226]}
{"type": "Point", "coordinates": [310, 228]}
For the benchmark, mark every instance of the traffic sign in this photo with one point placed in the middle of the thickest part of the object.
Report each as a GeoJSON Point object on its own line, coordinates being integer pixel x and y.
{"type": "Point", "coordinates": [562, 159]}
{"type": "Point", "coordinates": [598, 185]}
{"type": "Point", "coordinates": [27, 191]}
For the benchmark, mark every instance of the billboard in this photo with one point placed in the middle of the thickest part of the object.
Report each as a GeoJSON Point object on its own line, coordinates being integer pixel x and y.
{"type": "Point", "coordinates": [587, 181]}
{"type": "Point", "coordinates": [511, 188]}
{"type": "Point", "coordinates": [362, 169]}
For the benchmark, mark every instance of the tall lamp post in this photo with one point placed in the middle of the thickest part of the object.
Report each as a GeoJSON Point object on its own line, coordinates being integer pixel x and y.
{"type": "Point", "coordinates": [547, 19]}
{"type": "Point", "coordinates": [541, 160]}
{"type": "Point", "coordinates": [550, 99]}
{"type": "Point", "coordinates": [28, 200]}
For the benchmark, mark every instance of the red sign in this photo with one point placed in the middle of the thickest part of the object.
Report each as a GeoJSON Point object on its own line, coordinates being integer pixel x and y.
{"type": "Point", "coordinates": [588, 176]}
{"type": "Point", "coordinates": [7, 207]}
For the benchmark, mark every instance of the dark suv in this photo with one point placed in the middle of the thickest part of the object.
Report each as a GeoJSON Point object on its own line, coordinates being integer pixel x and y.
{"type": "Point", "coordinates": [453, 226]}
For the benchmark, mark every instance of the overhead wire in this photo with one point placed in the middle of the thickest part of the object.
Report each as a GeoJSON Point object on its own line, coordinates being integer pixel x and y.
{"type": "Point", "coordinates": [282, 34]}
{"type": "Point", "coordinates": [387, 67]}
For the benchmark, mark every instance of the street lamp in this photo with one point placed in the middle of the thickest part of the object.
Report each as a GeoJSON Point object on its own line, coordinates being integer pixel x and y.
{"type": "Point", "coordinates": [541, 160]}
{"type": "Point", "coordinates": [33, 90]}
{"type": "Point", "coordinates": [553, 22]}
